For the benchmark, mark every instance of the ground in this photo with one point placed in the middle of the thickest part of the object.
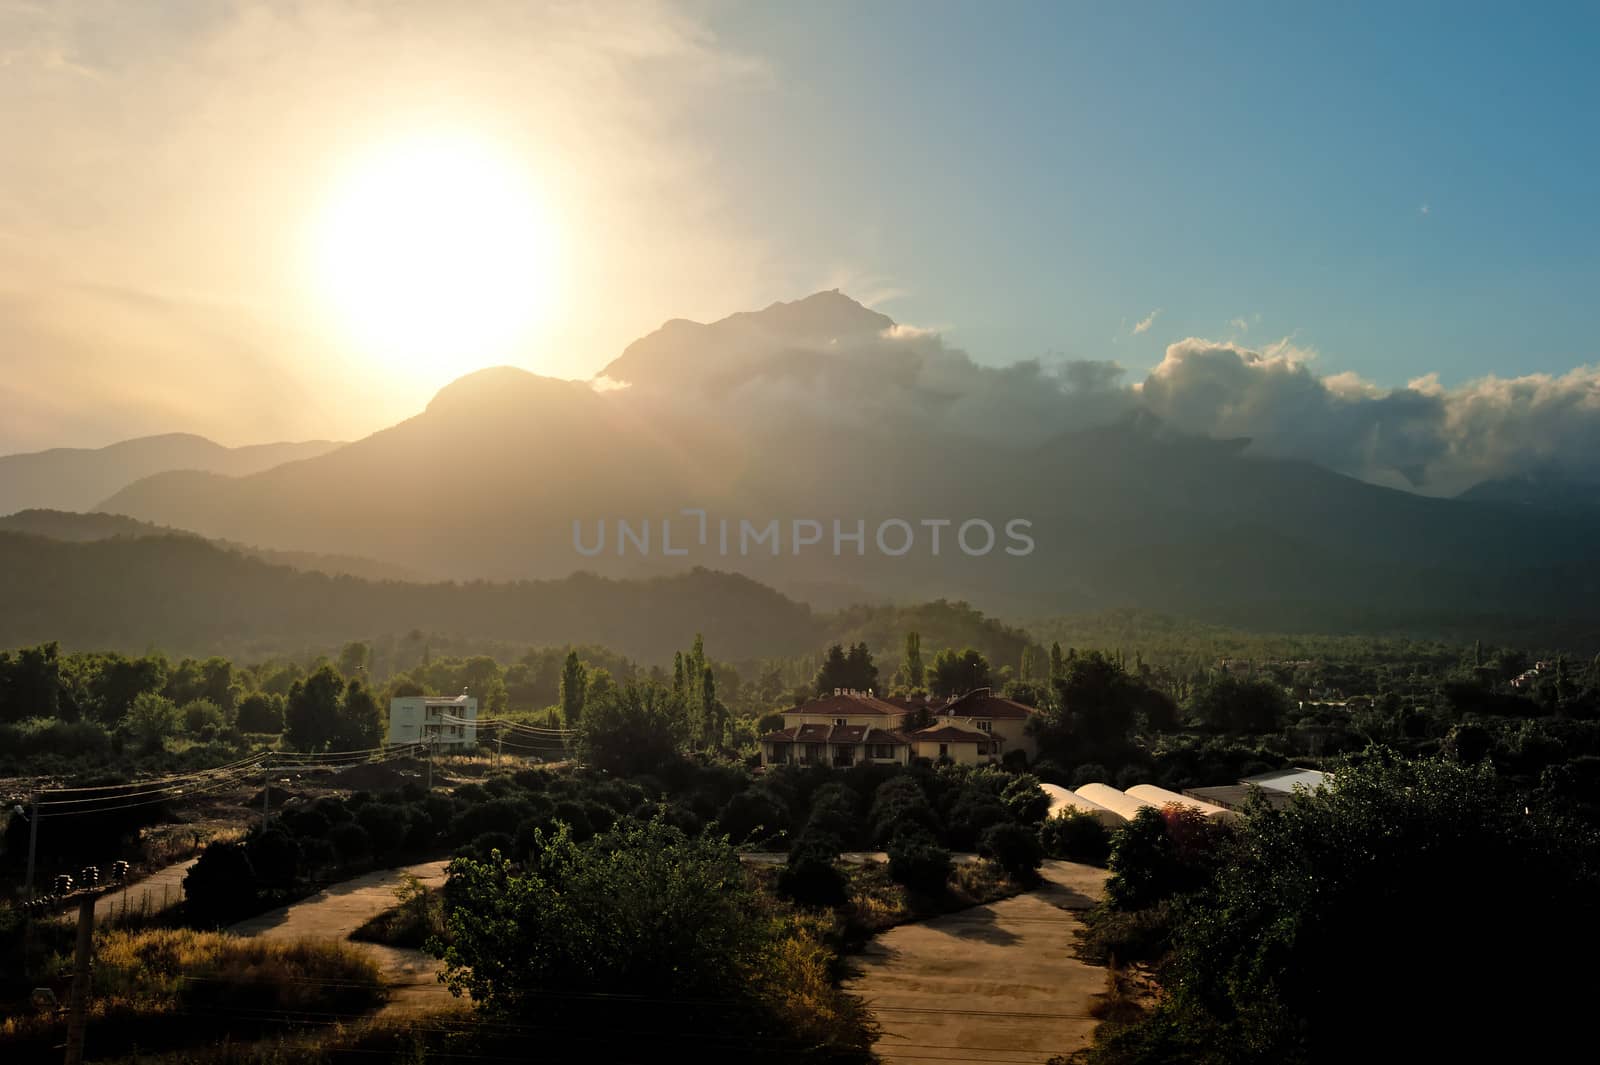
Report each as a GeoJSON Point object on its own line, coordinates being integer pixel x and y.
{"type": "Point", "coordinates": [336, 911]}
{"type": "Point", "coordinates": [993, 983]}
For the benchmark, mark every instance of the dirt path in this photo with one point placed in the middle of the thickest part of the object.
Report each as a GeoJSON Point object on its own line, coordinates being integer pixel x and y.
{"type": "Point", "coordinates": [995, 983]}
{"type": "Point", "coordinates": [336, 911]}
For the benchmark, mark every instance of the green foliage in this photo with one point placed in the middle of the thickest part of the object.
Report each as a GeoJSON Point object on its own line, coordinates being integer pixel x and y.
{"type": "Point", "coordinates": [200, 714]}
{"type": "Point", "coordinates": [643, 909]}
{"type": "Point", "coordinates": [261, 712]}
{"type": "Point", "coordinates": [152, 719]}
{"type": "Point", "coordinates": [1014, 848]}
{"type": "Point", "coordinates": [811, 876]}
{"type": "Point", "coordinates": [574, 683]}
{"type": "Point", "coordinates": [1076, 837]}
{"type": "Point", "coordinates": [631, 731]}
{"type": "Point", "coordinates": [221, 886]}
{"type": "Point", "coordinates": [754, 815]}
{"type": "Point", "coordinates": [1161, 854]}
{"type": "Point", "coordinates": [957, 672]}
{"type": "Point", "coordinates": [1286, 951]}
{"type": "Point", "coordinates": [1232, 704]}
{"type": "Point", "coordinates": [917, 861]}
{"type": "Point", "coordinates": [852, 668]}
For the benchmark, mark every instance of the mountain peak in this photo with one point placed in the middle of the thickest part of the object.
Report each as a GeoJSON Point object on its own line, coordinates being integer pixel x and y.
{"type": "Point", "coordinates": [685, 348]}
{"type": "Point", "coordinates": [493, 386]}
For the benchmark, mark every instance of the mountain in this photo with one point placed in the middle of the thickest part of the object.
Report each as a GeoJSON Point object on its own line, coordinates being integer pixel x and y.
{"type": "Point", "coordinates": [187, 596]}
{"type": "Point", "coordinates": [78, 478]}
{"type": "Point", "coordinates": [823, 411]}
{"type": "Point", "coordinates": [1551, 491]}
{"type": "Point", "coordinates": [82, 528]}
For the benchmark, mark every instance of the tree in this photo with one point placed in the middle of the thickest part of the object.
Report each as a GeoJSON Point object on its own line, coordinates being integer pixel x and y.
{"type": "Point", "coordinates": [152, 719]}
{"type": "Point", "coordinates": [958, 672]}
{"type": "Point", "coordinates": [1290, 947]}
{"type": "Point", "coordinates": [642, 910]}
{"type": "Point", "coordinates": [359, 725]}
{"type": "Point", "coordinates": [1058, 665]}
{"type": "Point", "coordinates": [199, 714]}
{"type": "Point", "coordinates": [311, 716]}
{"type": "Point", "coordinates": [354, 659]}
{"type": "Point", "coordinates": [1234, 704]}
{"type": "Point", "coordinates": [221, 886]}
{"type": "Point", "coordinates": [917, 861]}
{"type": "Point", "coordinates": [1013, 848]}
{"type": "Point", "coordinates": [260, 712]}
{"type": "Point", "coordinates": [574, 683]}
{"type": "Point", "coordinates": [911, 669]}
{"type": "Point", "coordinates": [631, 731]}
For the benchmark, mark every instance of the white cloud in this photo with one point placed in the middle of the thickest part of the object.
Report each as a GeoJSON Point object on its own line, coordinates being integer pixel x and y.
{"type": "Point", "coordinates": [1144, 324]}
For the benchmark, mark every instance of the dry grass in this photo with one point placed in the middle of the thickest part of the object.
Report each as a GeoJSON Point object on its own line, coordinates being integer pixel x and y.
{"type": "Point", "coordinates": [166, 988]}
{"type": "Point", "coordinates": [417, 917]}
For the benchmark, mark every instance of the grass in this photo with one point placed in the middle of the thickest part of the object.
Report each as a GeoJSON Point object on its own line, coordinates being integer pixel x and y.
{"type": "Point", "coordinates": [168, 988]}
{"type": "Point", "coordinates": [417, 917]}
{"type": "Point", "coordinates": [878, 904]}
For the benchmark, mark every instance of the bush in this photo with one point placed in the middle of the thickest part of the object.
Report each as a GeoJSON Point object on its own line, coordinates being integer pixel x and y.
{"type": "Point", "coordinates": [1161, 854]}
{"type": "Point", "coordinates": [386, 826]}
{"type": "Point", "coordinates": [754, 815]}
{"type": "Point", "coordinates": [199, 715]}
{"type": "Point", "coordinates": [350, 841]}
{"type": "Point", "coordinates": [1014, 848]}
{"type": "Point", "coordinates": [900, 806]}
{"type": "Point", "coordinates": [1076, 837]}
{"type": "Point", "coordinates": [274, 856]}
{"type": "Point", "coordinates": [811, 876]}
{"type": "Point", "coordinates": [1090, 773]}
{"type": "Point", "coordinates": [221, 887]}
{"type": "Point", "coordinates": [260, 712]}
{"type": "Point", "coordinates": [917, 861]}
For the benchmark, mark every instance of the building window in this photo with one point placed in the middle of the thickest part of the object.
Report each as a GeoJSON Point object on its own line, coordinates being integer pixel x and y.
{"type": "Point", "coordinates": [944, 750]}
{"type": "Point", "coordinates": [983, 726]}
{"type": "Point", "coordinates": [882, 750]}
{"type": "Point", "coordinates": [839, 721]}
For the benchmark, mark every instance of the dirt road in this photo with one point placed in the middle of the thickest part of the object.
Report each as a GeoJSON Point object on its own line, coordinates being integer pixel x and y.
{"type": "Point", "coordinates": [336, 911]}
{"type": "Point", "coordinates": [994, 983]}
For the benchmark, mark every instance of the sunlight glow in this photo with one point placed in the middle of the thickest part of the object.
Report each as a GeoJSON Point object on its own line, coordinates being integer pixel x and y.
{"type": "Point", "coordinates": [437, 255]}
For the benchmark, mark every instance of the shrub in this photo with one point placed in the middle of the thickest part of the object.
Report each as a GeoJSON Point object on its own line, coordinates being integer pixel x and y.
{"type": "Point", "coordinates": [900, 806]}
{"type": "Point", "coordinates": [151, 719]}
{"type": "Point", "coordinates": [1014, 848]}
{"type": "Point", "coordinates": [260, 712]}
{"type": "Point", "coordinates": [1076, 837]}
{"type": "Point", "coordinates": [1161, 854]}
{"type": "Point", "coordinates": [753, 816]}
{"type": "Point", "coordinates": [385, 825]}
{"type": "Point", "coordinates": [220, 887]}
{"type": "Point", "coordinates": [1090, 773]}
{"type": "Point", "coordinates": [350, 841]}
{"type": "Point", "coordinates": [198, 715]}
{"type": "Point", "coordinates": [1026, 802]}
{"type": "Point", "coordinates": [274, 856]}
{"type": "Point", "coordinates": [917, 861]}
{"type": "Point", "coordinates": [811, 877]}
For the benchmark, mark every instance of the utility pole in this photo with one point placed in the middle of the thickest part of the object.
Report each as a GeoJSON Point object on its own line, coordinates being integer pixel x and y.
{"type": "Point", "coordinates": [78, 1003]}
{"type": "Point", "coordinates": [33, 842]}
{"type": "Point", "coordinates": [499, 745]}
{"type": "Point", "coordinates": [266, 792]}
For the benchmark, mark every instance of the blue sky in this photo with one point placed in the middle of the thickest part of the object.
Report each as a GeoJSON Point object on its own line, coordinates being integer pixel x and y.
{"type": "Point", "coordinates": [1404, 191]}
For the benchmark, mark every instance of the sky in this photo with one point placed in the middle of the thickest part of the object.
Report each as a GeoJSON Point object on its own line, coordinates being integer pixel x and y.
{"type": "Point", "coordinates": [1396, 199]}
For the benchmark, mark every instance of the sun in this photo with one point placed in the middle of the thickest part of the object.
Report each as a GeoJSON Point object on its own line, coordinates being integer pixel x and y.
{"type": "Point", "coordinates": [436, 254]}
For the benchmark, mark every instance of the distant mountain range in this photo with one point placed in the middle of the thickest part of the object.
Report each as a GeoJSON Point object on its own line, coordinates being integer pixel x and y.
{"type": "Point", "coordinates": [77, 478]}
{"type": "Point", "coordinates": [73, 527]}
{"type": "Point", "coordinates": [821, 411]}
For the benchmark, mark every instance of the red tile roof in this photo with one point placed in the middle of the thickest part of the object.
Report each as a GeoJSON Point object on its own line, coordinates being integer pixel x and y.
{"type": "Point", "coordinates": [984, 703]}
{"type": "Point", "coordinates": [949, 733]}
{"type": "Point", "coordinates": [847, 704]}
{"type": "Point", "coordinates": [819, 733]}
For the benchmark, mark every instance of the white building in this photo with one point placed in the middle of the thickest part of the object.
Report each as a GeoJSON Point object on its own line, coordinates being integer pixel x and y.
{"type": "Point", "coordinates": [439, 720]}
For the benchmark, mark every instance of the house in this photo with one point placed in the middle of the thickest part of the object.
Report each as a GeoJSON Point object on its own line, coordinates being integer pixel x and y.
{"type": "Point", "coordinates": [947, 740]}
{"type": "Point", "coordinates": [840, 730]}
{"type": "Point", "coordinates": [852, 727]}
{"type": "Point", "coordinates": [441, 721]}
{"type": "Point", "coordinates": [1004, 721]}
